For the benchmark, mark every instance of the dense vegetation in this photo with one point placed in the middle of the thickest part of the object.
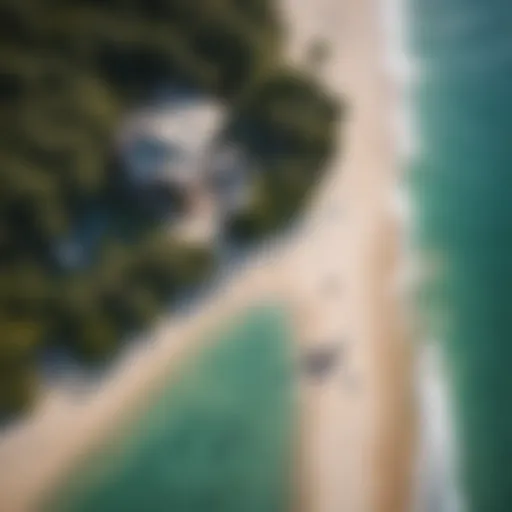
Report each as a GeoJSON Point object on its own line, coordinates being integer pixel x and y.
{"type": "Point", "coordinates": [68, 72]}
{"type": "Point", "coordinates": [219, 438]}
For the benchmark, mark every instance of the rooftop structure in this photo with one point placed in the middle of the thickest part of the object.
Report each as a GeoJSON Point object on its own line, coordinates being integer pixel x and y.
{"type": "Point", "coordinates": [170, 141]}
{"type": "Point", "coordinates": [173, 151]}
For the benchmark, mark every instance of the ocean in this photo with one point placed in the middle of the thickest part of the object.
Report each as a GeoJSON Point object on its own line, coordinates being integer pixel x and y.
{"type": "Point", "coordinates": [458, 180]}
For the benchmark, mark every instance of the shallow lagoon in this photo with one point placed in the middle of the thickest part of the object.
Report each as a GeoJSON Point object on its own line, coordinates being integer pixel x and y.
{"type": "Point", "coordinates": [216, 438]}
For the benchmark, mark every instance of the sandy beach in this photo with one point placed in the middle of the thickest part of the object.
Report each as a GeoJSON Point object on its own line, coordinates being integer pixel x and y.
{"type": "Point", "coordinates": [356, 432]}
{"type": "Point", "coordinates": [357, 438]}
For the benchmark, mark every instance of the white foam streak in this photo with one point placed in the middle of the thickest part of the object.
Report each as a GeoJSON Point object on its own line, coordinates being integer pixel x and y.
{"type": "Point", "coordinates": [436, 489]}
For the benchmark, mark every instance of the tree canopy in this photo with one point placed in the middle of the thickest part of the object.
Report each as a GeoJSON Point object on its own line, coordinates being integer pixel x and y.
{"type": "Point", "coordinates": [69, 70]}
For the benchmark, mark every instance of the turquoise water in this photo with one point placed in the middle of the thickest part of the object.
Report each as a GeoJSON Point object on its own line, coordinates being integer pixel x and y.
{"type": "Point", "coordinates": [461, 182]}
{"type": "Point", "coordinates": [217, 439]}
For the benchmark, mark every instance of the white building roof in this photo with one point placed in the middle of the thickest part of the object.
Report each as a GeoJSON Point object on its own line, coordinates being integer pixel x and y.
{"type": "Point", "coordinates": [190, 128]}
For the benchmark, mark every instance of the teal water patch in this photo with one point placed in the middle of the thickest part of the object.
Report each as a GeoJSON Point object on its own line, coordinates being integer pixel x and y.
{"type": "Point", "coordinates": [216, 439]}
{"type": "Point", "coordinates": [461, 183]}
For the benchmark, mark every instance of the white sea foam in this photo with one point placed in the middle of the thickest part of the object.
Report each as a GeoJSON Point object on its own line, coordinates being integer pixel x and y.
{"type": "Point", "coordinates": [436, 483]}
{"type": "Point", "coordinates": [403, 72]}
{"type": "Point", "coordinates": [436, 489]}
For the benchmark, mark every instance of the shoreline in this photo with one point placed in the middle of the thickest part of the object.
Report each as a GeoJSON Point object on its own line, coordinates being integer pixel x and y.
{"type": "Point", "coordinates": [347, 439]}
{"type": "Point", "coordinates": [26, 487]}
{"type": "Point", "coordinates": [359, 451]}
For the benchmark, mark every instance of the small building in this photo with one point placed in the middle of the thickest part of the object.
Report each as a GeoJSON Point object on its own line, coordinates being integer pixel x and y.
{"type": "Point", "coordinates": [178, 166]}
{"type": "Point", "coordinates": [168, 141]}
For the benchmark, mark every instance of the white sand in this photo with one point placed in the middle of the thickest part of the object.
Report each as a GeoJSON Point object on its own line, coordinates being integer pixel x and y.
{"type": "Point", "coordinates": [356, 442]}
{"type": "Point", "coordinates": [355, 433]}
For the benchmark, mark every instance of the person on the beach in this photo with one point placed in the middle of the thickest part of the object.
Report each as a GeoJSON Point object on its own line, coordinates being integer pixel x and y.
{"type": "Point", "coordinates": [321, 361]}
